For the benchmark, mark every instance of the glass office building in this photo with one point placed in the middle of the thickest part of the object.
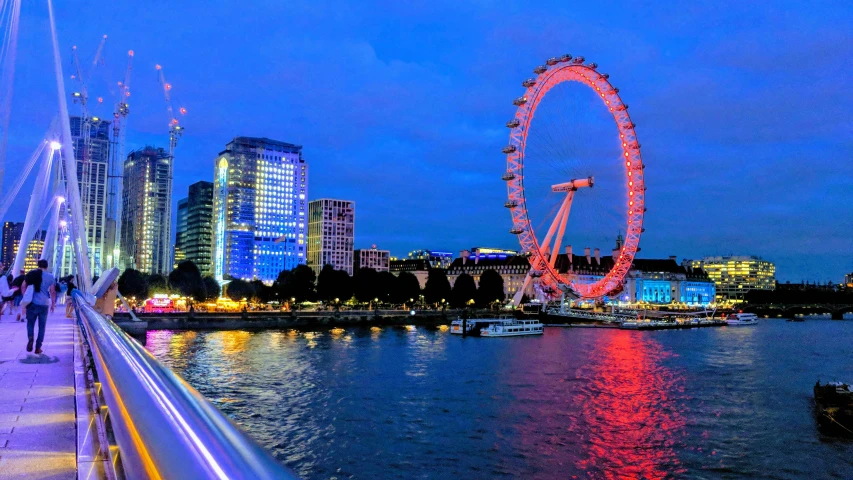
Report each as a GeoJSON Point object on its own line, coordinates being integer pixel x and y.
{"type": "Point", "coordinates": [260, 202]}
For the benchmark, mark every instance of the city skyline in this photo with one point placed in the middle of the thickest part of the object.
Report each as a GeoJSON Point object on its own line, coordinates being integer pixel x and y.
{"type": "Point", "coordinates": [360, 99]}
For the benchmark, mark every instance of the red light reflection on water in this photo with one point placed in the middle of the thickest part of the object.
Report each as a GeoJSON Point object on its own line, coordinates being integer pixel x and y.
{"type": "Point", "coordinates": [628, 412]}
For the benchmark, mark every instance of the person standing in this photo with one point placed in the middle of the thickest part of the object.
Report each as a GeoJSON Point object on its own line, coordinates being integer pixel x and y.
{"type": "Point", "coordinates": [19, 293]}
{"type": "Point", "coordinates": [44, 300]}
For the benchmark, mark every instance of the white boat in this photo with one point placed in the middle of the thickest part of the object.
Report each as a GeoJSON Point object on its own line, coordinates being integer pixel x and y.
{"type": "Point", "coordinates": [512, 328]}
{"type": "Point", "coordinates": [472, 326]}
{"type": "Point", "coordinates": [739, 319]}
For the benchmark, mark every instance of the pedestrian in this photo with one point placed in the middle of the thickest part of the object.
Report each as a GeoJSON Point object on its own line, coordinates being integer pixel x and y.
{"type": "Point", "coordinates": [19, 293]}
{"type": "Point", "coordinates": [7, 293]}
{"type": "Point", "coordinates": [69, 301]}
{"type": "Point", "coordinates": [44, 299]}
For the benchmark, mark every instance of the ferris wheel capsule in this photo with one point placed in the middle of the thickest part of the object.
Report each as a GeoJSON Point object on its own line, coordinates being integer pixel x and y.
{"type": "Point", "coordinates": [540, 69]}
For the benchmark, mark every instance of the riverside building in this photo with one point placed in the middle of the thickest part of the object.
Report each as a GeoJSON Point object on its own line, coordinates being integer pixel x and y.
{"type": "Point", "coordinates": [331, 234]}
{"type": "Point", "coordinates": [146, 198]}
{"type": "Point", "coordinates": [378, 260]}
{"type": "Point", "coordinates": [436, 259]}
{"type": "Point", "coordinates": [12, 232]}
{"type": "Point", "coordinates": [734, 276]}
{"type": "Point", "coordinates": [91, 142]}
{"type": "Point", "coordinates": [511, 267]}
{"type": "Point", "coordinates": [194, 236]}
{"type": "Point", "coordinates": [259, 209]}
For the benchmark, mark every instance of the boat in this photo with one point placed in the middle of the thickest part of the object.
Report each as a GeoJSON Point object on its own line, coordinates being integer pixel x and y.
{"type": "Point", "coordinates": [834, 407]}
{"type": "Point", "coordinates": [513, 328]}
{"type": "Point", "coordinates": [472, 326]}
{"type": "Point", "coordinates": [740, 319]}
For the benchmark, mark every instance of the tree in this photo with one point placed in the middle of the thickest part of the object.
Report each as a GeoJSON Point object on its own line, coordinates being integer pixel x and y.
{"type": "Point", "coordinates": [343, 286]}
{"type": "Point", "coordinates": [304, 278]}
{"type": "Point", "coordinates": [387, 286]}
{"type": "Point", "coordinates": [365, 284]}
{"type": "Point", "coordinates": [186, 279]}
{"type": "Point", "coordinates": [326, 283]}
{"type": "Point", "coordinates": [491, 288]}
{"type": "Point", "coordinates": [212, 290]}
{"type": "Point", "coordinates": [239, 289]}
{"type": "Point", "coordinates": [437, 286]}
{"type": "Point", "coordinates": [297, 283]}
{"type": "Point", "coordinates": [464, 290]}
{"type": "Point", "coordinates": [408, 287]}
{"type": "Point", "coordinates": [262, 292]}
{"type": "Point", "coordinates": [132, 283]}
{"type": "Point", "coordinates": [157, 284]}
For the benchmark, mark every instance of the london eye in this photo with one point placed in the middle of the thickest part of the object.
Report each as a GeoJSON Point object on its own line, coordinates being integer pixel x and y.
{"type": "Point", "coordinates": [563, 150]}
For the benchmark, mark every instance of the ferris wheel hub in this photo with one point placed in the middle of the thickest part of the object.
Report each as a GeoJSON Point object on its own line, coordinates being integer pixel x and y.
{"type": "Point", "coordinates": [573, 185]}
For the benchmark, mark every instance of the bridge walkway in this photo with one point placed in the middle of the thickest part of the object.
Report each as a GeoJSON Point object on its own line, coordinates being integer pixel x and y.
{"type": "Point", "coordinates": [38, 434]}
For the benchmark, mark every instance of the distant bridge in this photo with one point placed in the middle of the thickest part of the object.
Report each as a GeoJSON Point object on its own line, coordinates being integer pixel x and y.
{"type": "Point", "coordinates": [837, 311]}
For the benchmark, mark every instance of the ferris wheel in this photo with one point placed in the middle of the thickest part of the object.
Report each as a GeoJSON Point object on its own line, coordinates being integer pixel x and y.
{"type": "Point", "coordinates": [625, 171]}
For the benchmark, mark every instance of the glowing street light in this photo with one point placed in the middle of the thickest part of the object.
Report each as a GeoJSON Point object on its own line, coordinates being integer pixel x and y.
{"type": "Point", "coordinates": [63, 223]}
{"type": "Point", "coordinates": [60, 199]}
{"type": "Point", "coordinates": [54, 145]}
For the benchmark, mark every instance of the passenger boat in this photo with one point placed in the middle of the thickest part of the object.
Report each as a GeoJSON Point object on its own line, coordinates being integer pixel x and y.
{"type": "Point", "coordinates": [739, 319]}
{"type": "Point", "coordinates": [472, 326]}
{"type": "Point", "coordinates": [834, 407]}
{"type": "Point", "coordinates": [513, 328]}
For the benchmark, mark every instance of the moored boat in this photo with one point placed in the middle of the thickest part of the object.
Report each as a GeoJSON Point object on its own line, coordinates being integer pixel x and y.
{"type": "Point", "coordinates": [834, 407]}
{"type": "Point", "coordinates": [741, 319]}
{"type": "Point", "coordinates": [513, 328]}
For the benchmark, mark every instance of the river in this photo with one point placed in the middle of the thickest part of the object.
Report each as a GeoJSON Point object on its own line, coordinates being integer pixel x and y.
{"type": "Point", "coordinates": [407, 402]}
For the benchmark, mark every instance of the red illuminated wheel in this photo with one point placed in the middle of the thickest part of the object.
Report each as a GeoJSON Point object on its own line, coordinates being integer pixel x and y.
{"type": "Point", "coordinates": [545, 277]}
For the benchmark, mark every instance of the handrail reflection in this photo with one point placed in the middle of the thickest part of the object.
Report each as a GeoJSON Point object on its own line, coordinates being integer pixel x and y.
{"type": "Point", "coordinates": [164, 428]}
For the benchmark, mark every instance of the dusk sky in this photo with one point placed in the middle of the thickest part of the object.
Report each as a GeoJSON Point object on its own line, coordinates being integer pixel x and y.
{"type": "Point", "coordinates": [743, 111]}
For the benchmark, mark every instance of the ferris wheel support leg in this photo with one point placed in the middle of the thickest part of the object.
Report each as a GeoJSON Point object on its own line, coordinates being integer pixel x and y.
{"type": "Point", "coordinates": [567, 207]}
{"type": "Point", "coordinates": [546, 242]}
{"type": "Point", "coordinates": [516, 299]}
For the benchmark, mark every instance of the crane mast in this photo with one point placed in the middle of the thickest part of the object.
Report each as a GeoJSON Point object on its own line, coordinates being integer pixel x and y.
{"type": "Point", "coordinates": [120, 113]}
{"type": "Point", "coordinates": [175, 132]}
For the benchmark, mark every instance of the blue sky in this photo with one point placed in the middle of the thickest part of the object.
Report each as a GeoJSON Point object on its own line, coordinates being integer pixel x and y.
{"type": "Point", "coordinates": [742, 110]}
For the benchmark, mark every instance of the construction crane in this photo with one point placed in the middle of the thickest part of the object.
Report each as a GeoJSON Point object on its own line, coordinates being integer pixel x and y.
{"type": "Point", "coordinates": [175, 132]}
{"type": "Point", "coordinates": [120, 113]}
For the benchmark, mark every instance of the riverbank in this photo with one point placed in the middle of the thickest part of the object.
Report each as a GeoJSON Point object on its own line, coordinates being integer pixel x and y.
{"type": "Point", "coordinates": [278, 320]}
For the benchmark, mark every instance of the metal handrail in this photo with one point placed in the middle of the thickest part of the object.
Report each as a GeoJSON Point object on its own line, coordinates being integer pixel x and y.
{"type": "Point", "coordinates": [164, 428]}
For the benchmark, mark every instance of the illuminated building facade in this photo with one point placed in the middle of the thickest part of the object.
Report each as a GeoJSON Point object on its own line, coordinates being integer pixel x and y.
{"type": "Point", "coordinates": [379, 260]}
{"type": "Point", "coordinates": [734, 276]}
{"type": "Point", "coordinates": [180, 233]}
{"type": "Point", "coordinates": [259, 209]}
{"type": "Point", "coordinates": [194, 236]}
{"type": "Point", "coordinates": [92, 157]}
{"type": "Point", "coordinates": [488, 250]}
{"type": "Point", "coordinates": [34, 251]}
{"type": "Point", "coordinates": [147, 192]}
{"type": "Point", "coordinates": [435, 258]}
{"type": "Point", "coordinates": [655, 282]}
{"type": "Point", "coordinates": [331, 234]}
{"type": "Point", "coordinates": [12, 232]}
{"type": "Point", "coordinates": [848, 279]}
{"type": "Point", "coordinates": [511, 267]}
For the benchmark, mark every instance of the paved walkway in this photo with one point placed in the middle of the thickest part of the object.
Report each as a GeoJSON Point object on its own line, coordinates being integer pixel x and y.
{"type": "Point", "coordinates": [37, 409]}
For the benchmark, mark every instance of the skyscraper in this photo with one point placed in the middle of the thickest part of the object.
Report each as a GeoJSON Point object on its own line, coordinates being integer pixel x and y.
{"type": "Point", "coordinates": [11, 238]}
{"type": "Point", "coordinates": [331, 234]}
{"type": "Point", "coordinates": [145, 233]}
{"type": "Point", "coordinates": [195, 229]}
{"type": "Point", "coordinates": [91, 141]}
{"type": "Point", "coordinates": [259, 209]}
{"type": "Point", "coordinates": [181, 232]}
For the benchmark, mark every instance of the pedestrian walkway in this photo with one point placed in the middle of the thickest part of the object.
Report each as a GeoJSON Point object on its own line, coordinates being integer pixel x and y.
{"type": "Point", "coordinates": [37, 407]}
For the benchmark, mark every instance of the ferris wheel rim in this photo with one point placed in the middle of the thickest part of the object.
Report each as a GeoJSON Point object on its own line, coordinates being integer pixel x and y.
{"type": "Point", "coordinates": [556, 72]}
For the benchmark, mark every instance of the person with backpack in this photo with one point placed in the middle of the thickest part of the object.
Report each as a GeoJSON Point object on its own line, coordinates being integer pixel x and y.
{"type": "Point", "coordinates": [43, 300]}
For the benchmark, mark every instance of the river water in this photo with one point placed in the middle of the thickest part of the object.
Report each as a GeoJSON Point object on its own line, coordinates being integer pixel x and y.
{"type": "Point", "coordinates": [398, 402]}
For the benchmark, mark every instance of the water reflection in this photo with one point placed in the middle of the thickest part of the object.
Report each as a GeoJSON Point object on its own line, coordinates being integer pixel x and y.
{"type": "Point", "coordinates": [629, 415]}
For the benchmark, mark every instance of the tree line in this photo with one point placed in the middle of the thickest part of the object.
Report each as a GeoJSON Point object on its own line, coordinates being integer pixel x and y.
{"type": "Point", "coordinates": [331, 286]}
